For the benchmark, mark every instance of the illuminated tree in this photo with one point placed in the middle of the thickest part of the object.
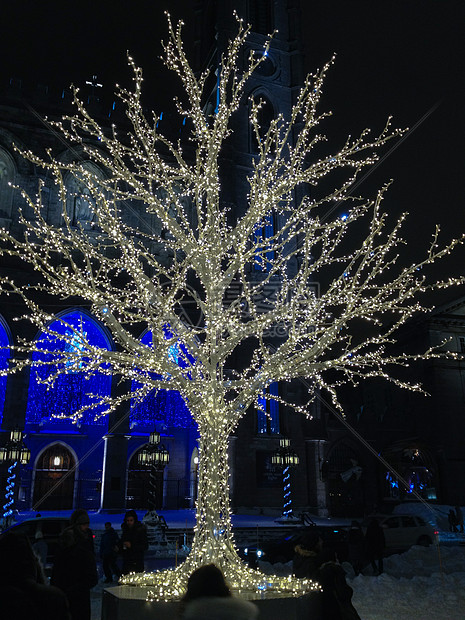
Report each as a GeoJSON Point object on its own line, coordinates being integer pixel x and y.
{"type": "Point", "coordinates": [200, 255]}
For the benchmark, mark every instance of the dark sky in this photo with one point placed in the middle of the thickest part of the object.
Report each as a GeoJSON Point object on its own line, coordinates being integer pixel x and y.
{"type": "Point", "coordinates": [400, 57]}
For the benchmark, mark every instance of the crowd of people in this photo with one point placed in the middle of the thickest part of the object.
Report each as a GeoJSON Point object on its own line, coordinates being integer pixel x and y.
{"type": "Point", "coordinates": [74, 572]}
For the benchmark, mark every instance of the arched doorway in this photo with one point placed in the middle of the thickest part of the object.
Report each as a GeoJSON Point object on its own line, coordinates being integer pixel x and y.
{"type": "Point", "coordinates": [139, 484]}
{"type": "Point", "coordinates": [345, 482]}
{"type": "Point", "coordinates": [54, 479]}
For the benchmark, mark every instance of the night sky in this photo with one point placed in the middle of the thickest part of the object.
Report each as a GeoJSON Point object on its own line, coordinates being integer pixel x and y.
{"type": "Point", "coordinates": [400, 58]}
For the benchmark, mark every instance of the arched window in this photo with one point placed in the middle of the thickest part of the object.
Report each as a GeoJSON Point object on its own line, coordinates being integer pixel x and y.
{"type": "Point", "coordinates": [268, 413]}
{"type": "Point", "coordinates": [4, 356]}
{"type": "Point", "coordinates": [7, 177]}
{"type": "Point", "coordinates": [71, 390]}
{"type": "Point", "coordinates": [166, 406]}
{"type": "Point", "coordinates": [79, 201]}
{"type": "Point", "coordinates": [54, 479]}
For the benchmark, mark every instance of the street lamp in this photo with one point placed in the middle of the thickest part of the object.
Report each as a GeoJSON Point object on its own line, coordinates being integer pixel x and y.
{"type": "Point", "coordinates": [286, 458]}
{"type": "Point", "coordinates": [16, 453]}
{"type": "Point", "coordinates": [156, 457]}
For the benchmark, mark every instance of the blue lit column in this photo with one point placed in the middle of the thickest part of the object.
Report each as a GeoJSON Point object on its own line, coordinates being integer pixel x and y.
{"type": "Point", "coordinates": [287, 459]}
{"type": "Point", "coordinates": [15, 453]}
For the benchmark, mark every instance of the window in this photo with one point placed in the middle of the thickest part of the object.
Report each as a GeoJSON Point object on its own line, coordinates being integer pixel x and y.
{"type": "Point", "coordinates": [392, 522]}
{"type": "Point", "coordinates": [7, 176]}
{"type": "Point", "coordinates": [4, 356]}
{"type": "Point", "coordinates": [79, 201]}
{"type": "Point", "coordinates": [408, 522]}
{"type": "Point", "coordinates": [268, 413]}
{"type": "Point", "coordinates": [71, 389]}
{"type": "Point", "coordinates": [462, 345]}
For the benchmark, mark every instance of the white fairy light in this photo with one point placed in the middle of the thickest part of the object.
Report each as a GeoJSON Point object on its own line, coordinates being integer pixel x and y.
{"type": "Point", "coordinates": [118, 270]}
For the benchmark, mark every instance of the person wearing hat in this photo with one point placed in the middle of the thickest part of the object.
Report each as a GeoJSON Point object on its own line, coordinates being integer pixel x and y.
{"type": "Point", "coordinates": [75, 570]}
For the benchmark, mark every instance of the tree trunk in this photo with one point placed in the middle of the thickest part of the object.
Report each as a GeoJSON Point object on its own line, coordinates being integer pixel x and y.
{"type": "Point", "coordinates": [213, 539]}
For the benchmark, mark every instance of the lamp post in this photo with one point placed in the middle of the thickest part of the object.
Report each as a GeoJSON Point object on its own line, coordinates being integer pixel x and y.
{"type": "Point", "coordinates": [286, 458]}
{"type": "Point", "coordinates": [16, 453]}
{"type": "Point", "coordinates": [156, 457]}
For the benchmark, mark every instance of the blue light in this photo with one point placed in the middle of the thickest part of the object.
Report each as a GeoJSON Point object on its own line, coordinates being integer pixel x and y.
{"type": "Point", "coordinates": [268, 413]}
{"type": "Point", "coordinates": [165, 406]}
{"type": "Point", "coordinates": [4, 356]}
{"type": "Point", "coordinates": [70, 391]}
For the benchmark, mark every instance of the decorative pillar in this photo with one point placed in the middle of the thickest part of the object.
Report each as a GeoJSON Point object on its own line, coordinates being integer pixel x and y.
{"type": "Point", "coordinates": [115, 456]}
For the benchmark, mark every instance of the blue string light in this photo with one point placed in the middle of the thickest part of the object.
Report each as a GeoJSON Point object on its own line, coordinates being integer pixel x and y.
{"type": "Point", "coordinates": [166, 406]}
{"type": "Point", "coordinates": [287, 504]}
{"type": "Point", "coordinates": [71, 390]}
{"type": "Point", "coordinates": [10, 491]}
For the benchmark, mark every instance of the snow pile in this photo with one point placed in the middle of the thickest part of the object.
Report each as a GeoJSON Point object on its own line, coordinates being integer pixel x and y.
{"type": "Point", "coordinates": [420, 584]}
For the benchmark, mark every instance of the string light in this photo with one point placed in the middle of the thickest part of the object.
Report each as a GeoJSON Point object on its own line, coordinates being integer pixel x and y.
{"type": "Point", "coordinates": [132, 276]}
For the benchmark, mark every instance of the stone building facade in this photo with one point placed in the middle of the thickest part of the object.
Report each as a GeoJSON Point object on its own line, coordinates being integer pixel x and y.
{"type": "Point", "coordinates": [94, 465]}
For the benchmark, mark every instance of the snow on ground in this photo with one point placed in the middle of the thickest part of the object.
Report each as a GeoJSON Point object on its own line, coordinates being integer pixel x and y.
{"type": "Point", "coordinates": [420, 584]}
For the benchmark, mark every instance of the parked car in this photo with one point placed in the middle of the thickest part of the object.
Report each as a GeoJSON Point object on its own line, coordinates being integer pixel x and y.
{"type": "Point", "coordinates": [51, 528]}
{"type": "Point", "coordinates": [282, 549]}
{"type": "Point", "coordinates": [404, 531]}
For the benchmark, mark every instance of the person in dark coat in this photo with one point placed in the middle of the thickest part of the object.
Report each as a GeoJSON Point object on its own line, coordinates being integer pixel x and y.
{"type": "Point", "coordinates": [208, 597]}
{"type": "Point", "coordinates": [356, 544]}
{"type": "Point", "coordinates": [108, 549]}
{"type": "Point", "coordinates": [23, 592]}
{"type": "Point", "coordinates": [452, 518]}
{"type": "Point", "coordinates": [459, 518]}
{"type": "Point", "coordinates": [75, 570]}
{"type": "Point", "coordinates": [309, 555]}
{"type": "Point", "coordinates": [336, 598]}
{"type": "Point", "coordinates": [133, 543]}
{"type": "Point", "coordinates": [375, 544]}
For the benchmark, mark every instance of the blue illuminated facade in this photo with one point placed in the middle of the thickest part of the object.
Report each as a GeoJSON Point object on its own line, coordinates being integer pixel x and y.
{"type": "Point", "coordinates": [71, 390]}
{"type": "Point", "coordinates": [166, 406]}
{"type": "Point", "coordinates": [4, 356]}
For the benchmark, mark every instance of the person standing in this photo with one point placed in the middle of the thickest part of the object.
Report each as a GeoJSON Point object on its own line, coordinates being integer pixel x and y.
{"type": "Point", "coordinates": [459, 518]}
{"type": "Point", "coordinates": [309, 555]}
{"type": "Point", "coordinates": [75, 570]}
{"type": "Point", "coordinates": [108, 550]}
{"type": "Point", "coordinates": [356, 544]}
{"type": "Point", "coordinates": [133, 543]}
{"type": "Point", "coordinates": [452, 518]}
{"type": "Point", "coordinates": [375, 544]}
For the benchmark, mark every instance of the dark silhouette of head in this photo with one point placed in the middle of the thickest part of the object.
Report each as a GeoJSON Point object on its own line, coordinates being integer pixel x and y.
{"type": "Point", "coordinates": [207, 580]}
{"type": "Point", "coordinates": [311, 541]}
{"type": "Point", "coordinates": [18, 559]}
{"type": "Point", "coordinates": [130, 518]}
